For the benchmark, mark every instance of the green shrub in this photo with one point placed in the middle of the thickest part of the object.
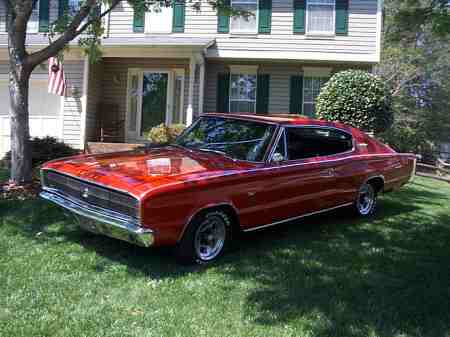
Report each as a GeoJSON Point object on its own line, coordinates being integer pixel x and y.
{"type": "Point", "coordinates": [45, 149]}
{"type": "Point", "coordinates": [163, 134]}
{"type": "Point", "coordinates": [407, 136]}
{"type": "Point", "coordinates": [357, 98]}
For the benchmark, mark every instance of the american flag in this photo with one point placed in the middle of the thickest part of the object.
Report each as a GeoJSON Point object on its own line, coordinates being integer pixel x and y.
{"type": "Point", "coordinates": [56, 79]}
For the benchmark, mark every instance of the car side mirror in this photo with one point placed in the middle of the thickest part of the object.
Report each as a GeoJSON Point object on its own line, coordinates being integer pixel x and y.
{"type": "Point", "coordinates": [277, 157]}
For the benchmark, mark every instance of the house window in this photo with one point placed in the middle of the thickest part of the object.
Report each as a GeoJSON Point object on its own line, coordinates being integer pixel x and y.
{"type": "Point", "coordinates": [159, 19]}
{"type": "Point", "coordinates": [320, 16]}
{"type": "Point", "coordinates": [33, 22]}
{"type": "Point", "coordinates": [243, 92]}
{"type": "Point", "coordinates": [311, 89]}
{"type": "Point", "coordinates": [245, 24]}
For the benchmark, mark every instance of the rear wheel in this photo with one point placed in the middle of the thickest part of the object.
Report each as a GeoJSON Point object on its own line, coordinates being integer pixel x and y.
{"type": "Point", "coordinates": [366, 200]}
{"type": "Point", "coordinates": [205, 239]}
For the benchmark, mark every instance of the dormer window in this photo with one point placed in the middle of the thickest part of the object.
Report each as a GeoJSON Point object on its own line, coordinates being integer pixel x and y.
{"type": "Point", "coordinates": [320, 17]}
{"type": "Point", "coordinates": [242, 24]}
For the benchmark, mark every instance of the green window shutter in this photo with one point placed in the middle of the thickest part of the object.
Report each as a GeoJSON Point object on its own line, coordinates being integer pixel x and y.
{"type": "Point", "coordinates": [262, 94]}
{"type": "Point", "coordinates": [296, 94]}
{"type": "Point", "coordinates": [341, 17]}
{"type": "Point", "coordinates": [223, 95]}
{"type": "Point", "coordinates": [138, 20]}
{"type": "Point", "coordinates": [62, 7]}
{"type": "Point", "coordinates": [265, 16]}
{"type": "Point", "coordinates": [299, 16]}
{"type": "Point", "coordinates": [223, 20]}
{"type": "Point", "coordinates": [43, 15]}
{"type": "Point", "coordinates": [178, 17]}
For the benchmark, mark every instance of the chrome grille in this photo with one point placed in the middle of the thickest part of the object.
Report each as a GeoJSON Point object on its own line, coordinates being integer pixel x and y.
{"type": "Point", "coordinates": [95, 195]}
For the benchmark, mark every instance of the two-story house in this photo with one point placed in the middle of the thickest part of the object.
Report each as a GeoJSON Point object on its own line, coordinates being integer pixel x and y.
{"type": "Point", "coordinates": [172, 64]}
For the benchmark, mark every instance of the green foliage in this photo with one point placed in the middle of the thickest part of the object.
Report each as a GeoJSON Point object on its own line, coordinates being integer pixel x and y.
{"type": "Point", "coordinates": [357, 98]}
{"type": "Point", "coordinates": [45, 149]}
{"type": "Point", "coordinates": [404, 19]}
{"type": "Point", "coordinates": [163, 134]}
{"type": "Point", "coordinates": [329, 275]}
{"type": "Point", "coordinates": [406, 136]}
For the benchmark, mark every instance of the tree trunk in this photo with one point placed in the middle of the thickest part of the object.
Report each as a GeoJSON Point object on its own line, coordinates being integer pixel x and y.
{"type": "Point", "coordinates": [21, 170]}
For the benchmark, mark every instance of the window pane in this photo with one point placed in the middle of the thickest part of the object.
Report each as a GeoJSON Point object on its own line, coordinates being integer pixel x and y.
{"type": "Point", "coordinates": [243, 87]}
{"type": "Point", "coordinates": [243, 93]}
{"type": "Point", "coordinates": [243, 24]}
{"type": "Point", "coordinates": [311, 89]}
{"type": "Point", "coordinates": [314, 142]}
{"type": "Point", "coordinates": [237, 139]}
{"type": "Point", "coordinates": [321, 18]}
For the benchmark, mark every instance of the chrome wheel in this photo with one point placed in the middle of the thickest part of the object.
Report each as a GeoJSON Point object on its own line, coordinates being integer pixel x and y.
{"type": "Point", "coordinates": [210, 238]}
{"type": "Point", "coordinates": [366, 199]}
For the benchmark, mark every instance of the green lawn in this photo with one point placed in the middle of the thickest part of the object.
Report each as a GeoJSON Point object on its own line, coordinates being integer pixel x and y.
{"type": "Point", "coordinates": [4, 175]}
{"type": "Point", "coordinates": [330, 275]}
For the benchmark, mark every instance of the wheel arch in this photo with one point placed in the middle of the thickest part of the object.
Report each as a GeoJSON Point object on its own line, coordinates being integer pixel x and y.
{"type": "Point", "coordinates": [377, 182]}
{"type": "Point", "coordinates": [227, 207]}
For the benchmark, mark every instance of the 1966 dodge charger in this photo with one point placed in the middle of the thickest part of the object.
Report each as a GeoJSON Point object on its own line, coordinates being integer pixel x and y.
{"type": "Point", "coordinates": [226, 173]}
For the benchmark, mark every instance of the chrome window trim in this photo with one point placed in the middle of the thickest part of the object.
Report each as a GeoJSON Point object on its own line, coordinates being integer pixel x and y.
{"type": "Point", "coordinates": [293, 161]}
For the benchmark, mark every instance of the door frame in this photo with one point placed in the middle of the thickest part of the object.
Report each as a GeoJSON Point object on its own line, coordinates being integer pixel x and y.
{"type": "Point", "coordinates": [172, 73]}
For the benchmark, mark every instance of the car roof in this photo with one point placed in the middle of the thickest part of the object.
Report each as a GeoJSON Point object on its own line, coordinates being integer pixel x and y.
{"type": "Point", "coordinates": [284, 119]}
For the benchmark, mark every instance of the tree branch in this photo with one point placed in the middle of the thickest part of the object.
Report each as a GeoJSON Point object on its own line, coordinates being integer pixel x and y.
{"type": "Point", "coordinates": [71, 32]}
{"type": "Point", "coordinates": [114, 3]}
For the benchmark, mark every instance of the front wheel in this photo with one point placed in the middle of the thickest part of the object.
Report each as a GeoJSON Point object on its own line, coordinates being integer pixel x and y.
{"type": "Point", "coordinates": [366, 200]}
{"type": "Point", "coordinates": [205, 239]}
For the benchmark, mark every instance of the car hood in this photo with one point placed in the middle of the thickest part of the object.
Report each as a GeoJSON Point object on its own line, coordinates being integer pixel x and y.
{"type": "Point", "coordinates": [141, 171]}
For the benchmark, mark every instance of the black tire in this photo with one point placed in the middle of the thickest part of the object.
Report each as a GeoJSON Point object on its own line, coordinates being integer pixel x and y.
{"type": "Point", "coordinates": [194, 245]}
{"type": "Point", "coordinates": [366, 201]}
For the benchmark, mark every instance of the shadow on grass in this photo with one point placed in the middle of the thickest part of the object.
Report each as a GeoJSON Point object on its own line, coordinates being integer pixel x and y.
{"type": "Point", "coordinates": [386, 276]}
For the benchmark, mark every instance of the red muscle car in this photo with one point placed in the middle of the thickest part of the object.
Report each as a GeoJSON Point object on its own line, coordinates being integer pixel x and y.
{"type": "Point", "coordinates": [225, 173]}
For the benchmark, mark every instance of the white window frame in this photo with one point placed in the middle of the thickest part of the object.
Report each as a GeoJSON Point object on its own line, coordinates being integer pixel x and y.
{"type": "Point", "coordinates": [139, 72]}
{"type": "Point", "coordinates": [244, 32]}
{"type": "Point", "coordinates": [313, 72]}
{"type": "Point", "coordinates": [148, 20]}
{"type": "Point", "coordinates": [33, 26]}
{"type": "Point", "coordinates": [320, 3]}
{"type": "Point", "coordinates": [242, 71]}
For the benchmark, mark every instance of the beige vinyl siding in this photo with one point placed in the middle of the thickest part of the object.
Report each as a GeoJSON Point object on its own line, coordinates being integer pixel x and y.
{"type": "Point", "coordinates": [115, 73]}
{"type": "Point", "coordinates": [71, 126]}
{"type": "Point", "coordinates": [35, 38]}
{"type": "Point", "coordinates": [279, 87]}
{"type": "Point", "coordinates": [93, 99]}
{"type": "Point", "coordinates": [361, 38]}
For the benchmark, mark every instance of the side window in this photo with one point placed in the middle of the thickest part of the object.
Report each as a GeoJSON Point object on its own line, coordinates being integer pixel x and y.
{"type": "Point", "coordinates": [309, 142]}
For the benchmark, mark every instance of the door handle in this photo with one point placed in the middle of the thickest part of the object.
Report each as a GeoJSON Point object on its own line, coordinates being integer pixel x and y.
{"type": "Point", "coordinates": [327, 173]}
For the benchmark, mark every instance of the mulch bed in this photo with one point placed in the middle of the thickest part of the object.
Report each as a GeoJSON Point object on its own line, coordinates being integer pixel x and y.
{"type": "Point", "coordinates": [11, 191]}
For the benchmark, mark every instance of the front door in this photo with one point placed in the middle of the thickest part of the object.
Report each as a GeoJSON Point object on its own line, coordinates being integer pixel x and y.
{"type": "Point", "coordinates": [148, 102]}
{"type": "Point", "coordinates": [154, 100]}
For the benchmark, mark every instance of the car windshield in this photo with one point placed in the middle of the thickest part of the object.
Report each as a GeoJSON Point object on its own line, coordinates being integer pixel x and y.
{"type": "Point", "coordinates": [235, 138]}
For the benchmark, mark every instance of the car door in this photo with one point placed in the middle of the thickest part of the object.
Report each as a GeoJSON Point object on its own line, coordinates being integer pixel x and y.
{"type": "Point", "coordinates": [298, 180]}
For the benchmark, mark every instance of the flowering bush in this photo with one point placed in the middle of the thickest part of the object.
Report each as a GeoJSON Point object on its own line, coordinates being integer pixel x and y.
{"type": "Point", "coordinates": [357, 98]}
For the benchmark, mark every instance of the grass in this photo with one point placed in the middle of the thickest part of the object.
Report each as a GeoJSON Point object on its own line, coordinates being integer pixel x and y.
{"type": "Point", "coordinates": [4, 175]}
{"type": "Point", "coordinates": [330, 275]}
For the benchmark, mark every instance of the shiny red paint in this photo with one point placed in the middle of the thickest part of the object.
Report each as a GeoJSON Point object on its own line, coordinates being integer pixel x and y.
{"type": "Point", "coordinates": [174, 184]}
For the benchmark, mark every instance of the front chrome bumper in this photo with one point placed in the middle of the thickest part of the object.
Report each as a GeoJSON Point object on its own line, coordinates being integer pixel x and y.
{"type": "Point", "coordinates": [101, 221]}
